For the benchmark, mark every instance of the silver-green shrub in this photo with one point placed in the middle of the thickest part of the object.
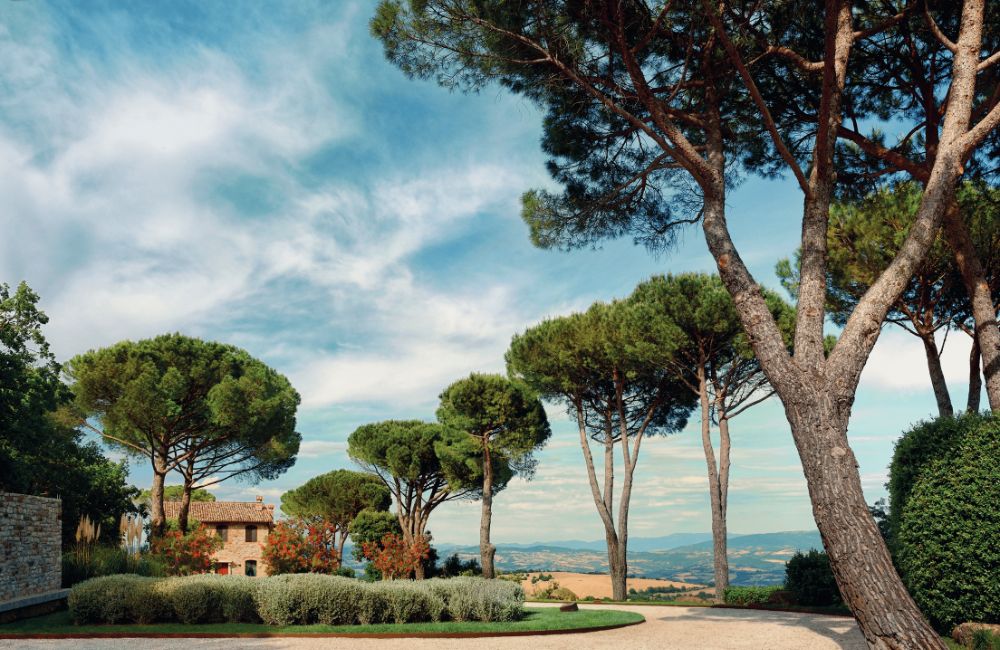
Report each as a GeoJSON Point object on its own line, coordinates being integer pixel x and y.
{"type": "Point", "coordinates": [292, 600]}
{"type": "Point", "coordinates": [104, 599]}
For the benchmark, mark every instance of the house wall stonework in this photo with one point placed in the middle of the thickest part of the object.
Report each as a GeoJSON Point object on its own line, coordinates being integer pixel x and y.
{"type": "Point", "coordinates": [236, 550]}
{"type": "Point", "coordinates": [30, 545]}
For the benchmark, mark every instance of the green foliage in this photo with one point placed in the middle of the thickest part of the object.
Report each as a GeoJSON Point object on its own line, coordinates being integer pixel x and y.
{"type": "Point", "coordinates": [454, 567]}
{"type": "Point", "coordinates": [985, 640]}
{"type": "Point", "coordinates": [336, 497]}
{"type": "Point", "coordinates": [174, 397]}
{"type": "Point", "coordinates": [749, 595]}
{"type": "Point", "coordinates": [809, 579]}
{"type": "Point", "coordinates": [915, 449]}
{"type": "Point", "coordinates": [416, 453]}
{"type": "Point", "coordinates": [583, 359]}
{"type": "Point", "coordinates": [175, 492]}
{"type": "Point", "coordinates": [104, 560]}
{"type": "Point", "coordinates": [949, 524]}
{"type": "Point", "coordinates": [371, 526]}
{"type": "Point", "coordinates": [503, 415]}
{"type": "Point", "coordinates": [187, 553]}
{"type": "Point", "coordinates": [39, 453]}
{"type": "Point", "coordinates": [292, 599]}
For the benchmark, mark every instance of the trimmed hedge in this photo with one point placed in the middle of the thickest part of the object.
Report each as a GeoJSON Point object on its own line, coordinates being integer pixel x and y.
{"type": "Point", "coordinates": [810, 580]}
{"type": "Point", "coordinates": [291, 599]}
{"type": "Point", "coordinates": [948, 541]}
{"type": "Point", "coordinates": [749, 595]}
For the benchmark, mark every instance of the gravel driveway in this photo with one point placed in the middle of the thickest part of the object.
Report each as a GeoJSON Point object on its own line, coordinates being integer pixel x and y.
{"type": "Point", "coordinates": [687, 628]}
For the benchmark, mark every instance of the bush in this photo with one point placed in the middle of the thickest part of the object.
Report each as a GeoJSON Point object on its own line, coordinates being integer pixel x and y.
{"type": "Point", "coordinates": [946, 545]}
{"type": "Point", "coordinates": [92, 561]}
{"type": "Point", "coordinates": [748, 595]}
{"type": "Point", "coordinates": [291, 599]}
{"type": "Point", "coordinates": [921, 445]}
{"type": "Point", "coordinates": [104, 599]}
{"type": "Point", "coordinates": [187, 554]}
{"type": "Point", "coordinates": [809, 579]}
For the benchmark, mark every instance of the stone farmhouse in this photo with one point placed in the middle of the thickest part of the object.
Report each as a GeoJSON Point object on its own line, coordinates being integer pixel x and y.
{"type": "Point", "coordinates": [243, 527]}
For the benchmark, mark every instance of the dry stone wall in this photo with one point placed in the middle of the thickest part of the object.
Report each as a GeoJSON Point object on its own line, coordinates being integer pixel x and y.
{"type": "Point", "coordinates": [30, 545]}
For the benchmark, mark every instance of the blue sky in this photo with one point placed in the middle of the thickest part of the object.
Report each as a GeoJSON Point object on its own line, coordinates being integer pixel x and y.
{"type": "Point", "coordinates": [258, 174]}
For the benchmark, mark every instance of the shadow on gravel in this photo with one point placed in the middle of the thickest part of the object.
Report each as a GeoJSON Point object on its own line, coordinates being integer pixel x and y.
{"type": "Point", "coordinates": [840, 629]}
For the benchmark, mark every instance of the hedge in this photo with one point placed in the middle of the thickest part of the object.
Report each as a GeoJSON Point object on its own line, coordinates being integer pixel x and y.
{"type": "Point", "coordinates": [810, 581]}
{"type": "Point", "coordinates": [948, 541]}
{"type": "Point", "coordinates": [749, 595]}
{"type": "Point", "coordinates": [291, 599]}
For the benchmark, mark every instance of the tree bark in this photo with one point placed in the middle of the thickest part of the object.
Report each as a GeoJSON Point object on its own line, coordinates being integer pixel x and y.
{"type": "Point", "coordinates": [720, 561]}
{"type": "Point", "coordinates": [157, 520]}
{"type": "Point", "coordinates": [486, 550]}
{"type": "Point", "coordinates": [617, 566]}
{"type": "Point", "coordinates": [860, 561]}
{"type": "Point", "coordinates": [722, 544]}
{"type": "Point", "coordinates": [185, 508]}
{"type": "Point", "coordinates": [975, 379]}
{"type": "Point", "coordinates": [983, 308]}
{"type": "Point", "coordinates": [937, 375]}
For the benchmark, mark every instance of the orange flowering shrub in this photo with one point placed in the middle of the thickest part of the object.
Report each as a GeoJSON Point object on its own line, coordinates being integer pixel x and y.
{"type": "Point", "coordinates": [296, 546]}
{"type": "Point", "coordinates": [394, 557]}
{"type": "Point", "coordinates": [184, 555]}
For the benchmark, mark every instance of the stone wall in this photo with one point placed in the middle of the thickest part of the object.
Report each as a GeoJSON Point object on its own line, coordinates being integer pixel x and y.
{"type": "Point", "coordinates": [30, 545]}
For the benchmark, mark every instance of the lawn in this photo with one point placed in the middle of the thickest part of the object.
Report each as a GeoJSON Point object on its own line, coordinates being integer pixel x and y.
{"type": "Point", "coordinates": [536, 619]}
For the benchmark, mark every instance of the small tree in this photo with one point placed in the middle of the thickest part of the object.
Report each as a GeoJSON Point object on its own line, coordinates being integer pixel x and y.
{"type": "Point", "coordinates": [187, 553]}
{"type": "Point", "coordinates": [507, 423]}
{"type": "Point", "coordinates": [187, 405]}
{"type": "Point", "coordinates": [299, 546]}
{"type": "Point", "coordinates": [331, 502]}
{"type": "Point", "coordinates": [423, 464]}
{"type": "Point", "coordinates": [394, 557]}
{"type": "Point", "coordinates": [607, 366]}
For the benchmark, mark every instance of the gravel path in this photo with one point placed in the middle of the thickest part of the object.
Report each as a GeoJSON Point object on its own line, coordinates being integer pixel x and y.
{"type": "Point", "coordinates": [687, 628]}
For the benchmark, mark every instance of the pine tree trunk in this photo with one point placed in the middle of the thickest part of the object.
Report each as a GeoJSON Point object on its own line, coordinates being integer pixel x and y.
{"type": "Point", "coordinates": [859, 558]}
{"type": "Point", "coordinates": [617, 566]}
{"type": "Point", "coordinates": [721, 545]}
{"type": "Point", "coordinates": [720, 561]}
{"type": "Point", "coordinates": [975, 379]}
{"type": "Point", "coordinates": [983, 309]}
{"type": "Point", "coordinates": [937, 375]}
{"type": "Point", "coordinates": [157, 520]}
{"type": "Point", "coordinates": [486, 550]}
{"type": "Point", "coordinates": [185, 508]}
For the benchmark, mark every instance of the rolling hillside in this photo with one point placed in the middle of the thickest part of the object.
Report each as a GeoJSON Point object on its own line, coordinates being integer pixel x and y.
{"type": "Point", "coordinates": [753, 559]}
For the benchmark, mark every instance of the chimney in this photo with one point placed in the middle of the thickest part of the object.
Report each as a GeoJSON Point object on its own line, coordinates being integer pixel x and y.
{"type": "Point", "coordinates": [260, 499]}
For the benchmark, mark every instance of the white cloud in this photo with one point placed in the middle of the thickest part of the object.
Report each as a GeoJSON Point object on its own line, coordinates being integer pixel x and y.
{"type": "Point", "coordinates": [898, 362]}
{"type": "Point", "coordinates": [320, 448]}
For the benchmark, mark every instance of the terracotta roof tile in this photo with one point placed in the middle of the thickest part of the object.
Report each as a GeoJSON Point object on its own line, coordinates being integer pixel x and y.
{"type": "Point", "coordinates": [223, 511]}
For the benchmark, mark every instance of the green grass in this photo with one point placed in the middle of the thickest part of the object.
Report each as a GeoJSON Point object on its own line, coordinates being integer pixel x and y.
{"type": "Point", "coordinates": [535, 619]}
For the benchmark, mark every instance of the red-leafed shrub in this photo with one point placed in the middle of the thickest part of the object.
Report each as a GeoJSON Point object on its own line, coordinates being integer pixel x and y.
{"type": "Point", "coordinates": [187, 554]}
{"type": "Point", "coordinates": [296, 546]}
{"type": "Point", "coordinates": [394, 557]}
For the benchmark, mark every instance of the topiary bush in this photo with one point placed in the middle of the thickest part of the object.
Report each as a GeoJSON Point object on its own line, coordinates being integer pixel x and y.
{"type": "Point", "coordinates": [748, 595]}
{"type": "Point", "coordinates": [292, 599]}
{"type": "Point", "coordinates": [810, 581]}
{"type": "Point", "coordinates": [924, 443]}
{"type": "Point", "coordinates": [948, 539]}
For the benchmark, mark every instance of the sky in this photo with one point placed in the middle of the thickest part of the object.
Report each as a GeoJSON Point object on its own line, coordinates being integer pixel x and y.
{"type": "Point", "coordinates": [259, 174]}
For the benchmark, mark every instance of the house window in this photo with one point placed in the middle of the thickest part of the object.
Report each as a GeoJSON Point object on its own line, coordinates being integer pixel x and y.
{"type": "Point", "coordinates": [250, 568]}
{"type": "Point", "coordinates": [223, 532]}
{"type": "Point", "coordinates": [251, 534]}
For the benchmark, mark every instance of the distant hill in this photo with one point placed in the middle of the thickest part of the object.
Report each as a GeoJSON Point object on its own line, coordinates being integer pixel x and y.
{"type": "Point", "coordinates": [665, 543]}
{"type": "Point", "coordinates": [753, 559]}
